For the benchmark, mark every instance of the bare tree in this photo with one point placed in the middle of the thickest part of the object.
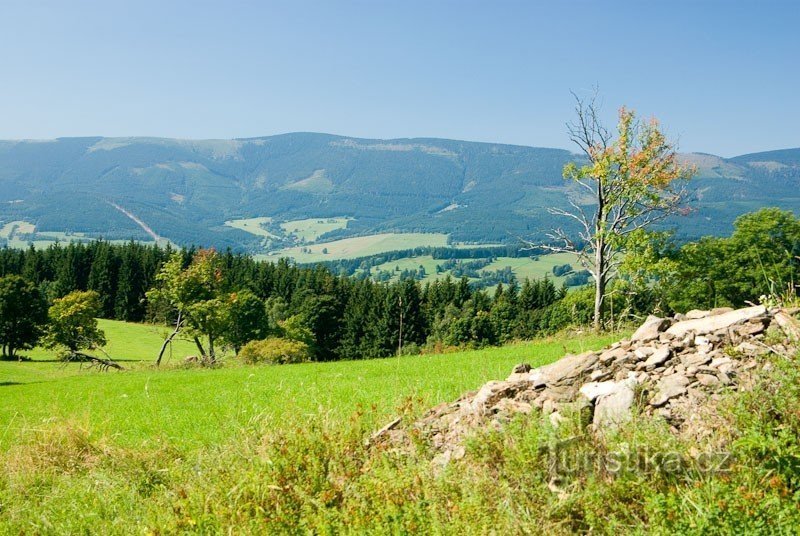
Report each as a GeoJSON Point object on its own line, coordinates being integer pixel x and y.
{"type": "Point", "coordinates": [633, 181]}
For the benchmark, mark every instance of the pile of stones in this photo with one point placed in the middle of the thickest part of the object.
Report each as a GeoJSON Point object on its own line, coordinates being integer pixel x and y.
{"type": "Point", "coordinates": [668, 368]}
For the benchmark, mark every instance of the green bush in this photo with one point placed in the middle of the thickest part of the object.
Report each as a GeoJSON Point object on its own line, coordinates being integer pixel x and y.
{"type": "Point", "coordinates": [275, 351]}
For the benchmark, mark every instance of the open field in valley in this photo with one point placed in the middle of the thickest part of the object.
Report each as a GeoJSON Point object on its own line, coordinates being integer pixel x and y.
{"type": "Point", "coordinates": [360, 246]}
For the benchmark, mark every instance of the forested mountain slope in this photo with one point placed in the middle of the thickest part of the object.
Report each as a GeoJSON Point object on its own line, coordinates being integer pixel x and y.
{"type": "Point", "coordinates": [185, 190]}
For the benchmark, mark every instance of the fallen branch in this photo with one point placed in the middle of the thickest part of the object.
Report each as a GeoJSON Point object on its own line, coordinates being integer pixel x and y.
{"type": "Point", "coordinates": [94, 362]}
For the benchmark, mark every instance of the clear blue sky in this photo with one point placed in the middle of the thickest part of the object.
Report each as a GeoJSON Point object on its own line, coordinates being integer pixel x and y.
{"type": "Point", "coordinates": [723, 77]}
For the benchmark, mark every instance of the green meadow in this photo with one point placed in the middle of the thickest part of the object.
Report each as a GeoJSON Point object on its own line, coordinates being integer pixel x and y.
{"type": "Point", "coordinates": [532, 268]}
{"type": "Point", "coordinates": [360, 246]}
{"type": "Point", "coordinates": [191, 408]}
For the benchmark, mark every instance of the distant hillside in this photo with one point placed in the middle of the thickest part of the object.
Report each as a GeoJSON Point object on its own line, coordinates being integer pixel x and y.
{"type": "Point", "coordinates": [185, 191]}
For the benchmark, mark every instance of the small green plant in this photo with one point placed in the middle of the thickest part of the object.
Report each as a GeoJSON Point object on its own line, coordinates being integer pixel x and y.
{"type": "Point", "coordinates": [275, 351]}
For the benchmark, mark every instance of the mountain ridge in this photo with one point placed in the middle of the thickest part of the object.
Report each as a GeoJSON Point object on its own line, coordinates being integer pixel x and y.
{"type": "Point", "coordinates": [479, 192]}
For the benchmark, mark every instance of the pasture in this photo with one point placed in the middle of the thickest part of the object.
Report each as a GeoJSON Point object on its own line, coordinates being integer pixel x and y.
{"type": "Point", "coordinates": [309, 230]}
{"type": "Point", "coordinates": [536, 268]}
{"type": "Point", "coordinates": [360, 246]}
{"type": "Point", "coordinates": [194, 408]}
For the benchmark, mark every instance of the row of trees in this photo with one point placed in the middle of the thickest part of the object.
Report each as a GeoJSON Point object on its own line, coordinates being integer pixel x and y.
{"type": "Point", "coordinates": [223, 299]}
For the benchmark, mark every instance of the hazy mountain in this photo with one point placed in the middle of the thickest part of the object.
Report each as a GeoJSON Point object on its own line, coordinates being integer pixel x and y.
{"type": "Point", "coordinates": [185, 190]}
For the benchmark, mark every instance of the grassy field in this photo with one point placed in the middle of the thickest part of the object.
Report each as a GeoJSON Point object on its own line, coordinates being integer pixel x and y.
{"type": "Point", "coordinates": [21, 234]}
{"type": "Point", "coordinates": [361, 246]}
{"type": "Point", "coordinates": [311, 229]}
{"type": "Point", "coordinates": [281, 450]}
{"type": "Point", "coordinates": [252, 226]}
{"type": "Point", "coordinates": [200, 407]}
{"type": "Point", "coordinates": [521, 266]}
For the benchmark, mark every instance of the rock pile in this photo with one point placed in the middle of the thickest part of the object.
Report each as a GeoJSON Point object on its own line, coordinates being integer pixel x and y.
{"type": "Point", "coordinates": [668, 368]}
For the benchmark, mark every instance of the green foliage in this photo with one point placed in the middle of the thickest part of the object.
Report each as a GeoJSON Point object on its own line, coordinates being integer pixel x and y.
{"type": "Point", "coordinates": [295, 328]}
{"type": "Point", "coordinates": [23, 315]}
{"type": "Point", "coordinates": [760, 258]}
{"type": "Point", "coordinates": [275, 351]}
{"type": "Point", "coordinates": [73, 323]}
{"type": "Point", "coordinates": [195, 295]}
{"type": "Point", "coordinates": [247, 319]}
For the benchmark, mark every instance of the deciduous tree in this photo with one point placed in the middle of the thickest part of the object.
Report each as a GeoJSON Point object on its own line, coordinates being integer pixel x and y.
{"type": "Point", "coordinates": [23, 315]}
{"type": "Point", "coordinates": [73, 323]}
{"type": "Point", "coordinates": [633, 179]}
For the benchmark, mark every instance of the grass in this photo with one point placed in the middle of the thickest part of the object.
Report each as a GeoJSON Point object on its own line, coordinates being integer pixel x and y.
{"type": "Point", "coordinates": [252, 226]}
{"type": "Point", "coordinates": [361, 246]}
{"type": "Point", "coordinates": [265, 450]}
{"type": "Point", "coordinates": [193, 408]}
{"type": "Point", "coordinates": [535, 269]}
{"type": "Point", "coordinates": [309, 230]}
{"type": "Point", "coordinates": [12, 231]}
{"type": "Point", "coordinates": [521, 266]}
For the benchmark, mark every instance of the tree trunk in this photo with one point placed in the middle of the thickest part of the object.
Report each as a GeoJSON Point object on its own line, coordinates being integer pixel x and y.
{"type": "Point", "coordinates": [211, 354]}
{"type": "Point", "coordinates": [600, 286]}
{"type": "Point", "coordinates": [200, 347]}
{"type": "Point", "coordinates": [168, 340]}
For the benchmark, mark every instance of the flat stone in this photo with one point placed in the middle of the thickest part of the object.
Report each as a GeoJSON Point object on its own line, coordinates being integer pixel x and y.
{"type": "Point", "coordinates": [614, 408]}
{"type": "Point", "coordinates": [650, 329]}
{"type": "Point", "coordinates": [712, 323]}
{"type": "Point", "coordinates": [643, 352]}
{"type": "Point", "coordinates": [708, 380]}
{"type": "Point", "coordinates": [658, 357]}
{"type": "Point", "coordinates": [492, 392]}
{"type": "Point", "coordinates": [695, 360]}
{"type": "Point", "coordinates": [696, 314]}
{"type": "Point", "coordinates": [564, 370]}
{"type": "Point", "coordinates": [593, 390]}
{"type": "Point", "coordinates": [669, 387]}
{"type": "Point", "coordinates": [723, 364]}
{"type": "Point", "coordinates": [511, 406]}
{"type": "Point", "coordinates": [612, 354]}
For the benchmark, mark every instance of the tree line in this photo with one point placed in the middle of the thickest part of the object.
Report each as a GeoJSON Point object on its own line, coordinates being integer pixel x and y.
{"type": "Point", "coordinates": [233, 298]}
{"type": "Point", "coordinates": [227, 299]}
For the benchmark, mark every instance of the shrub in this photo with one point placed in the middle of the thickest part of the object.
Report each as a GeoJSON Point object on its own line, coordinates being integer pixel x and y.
{"type": "Point", "coordinates": [275, 351]}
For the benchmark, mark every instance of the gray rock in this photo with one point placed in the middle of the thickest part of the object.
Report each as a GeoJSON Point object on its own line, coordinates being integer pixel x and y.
{"type": "Point", "coordinates": [669, 387]}
{"type": "Point", "coordinates": [695, 360]}
{"type": "Point", "coordinates": [614, 408]}
{"type": "Point", "coordinates": [650, 329]}
{"type": "Point", "coordinates": [592, 390]}
{"type": "Point", "coordinates": [657, 358]}
{"type": "Point", "coordinates": [564, 370]}
{"type": "Point", "coordinates": [696, 314]}
{"type": "Point", "coordinates": [708, 380]}
{"type": "Point", "coordinates": [491, 393]}
{"type": "Point", "coordinates": [710, 324]}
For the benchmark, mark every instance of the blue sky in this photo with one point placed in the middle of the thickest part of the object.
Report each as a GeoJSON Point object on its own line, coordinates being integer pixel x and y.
{"type": "Point", "coordinates": [723, 77]}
